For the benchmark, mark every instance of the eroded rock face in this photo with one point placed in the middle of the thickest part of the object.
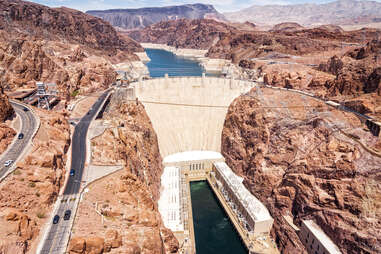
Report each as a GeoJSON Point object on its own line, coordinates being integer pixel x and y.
{"type": "Point", "coordinates": [127, 199]}
{"type": "Point", "coordinates": [303, 167]}
{"type": "Point", "coordinates": [59, 45]}
{"type": "Point", "coordinates": [27, 195]}
{"type": "Point", "coordinates": [357, 72]}
{"type": "Point", "coordinates": [6, 110]}
{"type": "Point", "coordinates": [135, 142]}
{"type": "Point", "coordinates": [184, 33]}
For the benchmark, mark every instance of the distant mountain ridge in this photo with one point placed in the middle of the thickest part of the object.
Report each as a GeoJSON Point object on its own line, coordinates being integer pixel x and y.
{"type": "Point", "coordinates": [130, 19]}
{"type": "Point", "coordinates": [341, 12]}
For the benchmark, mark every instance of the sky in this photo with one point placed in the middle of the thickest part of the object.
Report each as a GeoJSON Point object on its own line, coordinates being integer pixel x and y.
{"type": "Point", "coordinates": [220, 5]}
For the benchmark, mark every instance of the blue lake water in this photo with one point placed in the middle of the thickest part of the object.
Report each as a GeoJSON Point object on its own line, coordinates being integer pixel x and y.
{"type": "Point", "coordinates": [214, 232]}
{"type": "Point", "coordinates": [163, 62]}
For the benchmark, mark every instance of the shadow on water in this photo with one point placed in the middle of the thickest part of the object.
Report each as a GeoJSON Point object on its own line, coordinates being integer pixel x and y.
{"type": "Point", "coordinates": [163, 62]}
{"type": "Point", "coordinates": [214, 233]}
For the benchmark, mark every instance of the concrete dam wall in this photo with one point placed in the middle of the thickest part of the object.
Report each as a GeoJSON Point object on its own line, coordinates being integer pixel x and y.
{"type": "Point", "coordinates": [188, 113]}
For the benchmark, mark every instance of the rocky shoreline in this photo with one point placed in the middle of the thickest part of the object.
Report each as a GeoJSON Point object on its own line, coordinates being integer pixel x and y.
{"type": "Point", "coordinates": [211, 65]}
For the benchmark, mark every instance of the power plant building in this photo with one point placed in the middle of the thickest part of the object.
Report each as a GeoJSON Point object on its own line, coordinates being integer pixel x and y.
{"type": "Point", "coordinates": [253, 215]}
{"type": "Point", "coordinates": [170, 200]}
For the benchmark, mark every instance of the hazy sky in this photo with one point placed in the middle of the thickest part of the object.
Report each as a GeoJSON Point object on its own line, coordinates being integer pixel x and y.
{"type": "Point", "coordinates": [220, 5]}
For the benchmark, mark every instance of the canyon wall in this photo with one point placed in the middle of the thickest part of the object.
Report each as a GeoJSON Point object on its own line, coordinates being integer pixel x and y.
{"type": "Point", "coordinates": [127, 199]}
{"type": "Point", "coordinates": [6, 111]}
{"type": "Point", "coordinates": [305, 162]}
{"type": "Point", "coordinates": [27, 195]}
{"type": "Point", "coordinates": [59, 45]}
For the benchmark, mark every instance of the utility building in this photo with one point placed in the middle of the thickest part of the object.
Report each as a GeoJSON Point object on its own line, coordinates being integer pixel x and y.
{"type": "Point", "coordinates": [170, 200]}
{"type": "Point", "coordinates": [253, 215]}
{"type": "Point", "coordinates": [315, 240]}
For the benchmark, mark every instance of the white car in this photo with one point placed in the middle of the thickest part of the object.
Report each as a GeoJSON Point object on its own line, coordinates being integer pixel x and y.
{"type": "Point", "coordinates": [8, 163]}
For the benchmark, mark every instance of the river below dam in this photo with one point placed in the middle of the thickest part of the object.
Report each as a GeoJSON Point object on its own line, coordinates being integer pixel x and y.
{"type": "Point", "coordinates": [214, 232]}
{"type": "Point", "coordinates": [163, 62]}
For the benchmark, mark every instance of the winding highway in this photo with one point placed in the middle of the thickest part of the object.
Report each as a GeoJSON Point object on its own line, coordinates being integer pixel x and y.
{"type": "Point", "coordinates": [15, 151]}
{"type": "Point", "coordinates": [57, 236]}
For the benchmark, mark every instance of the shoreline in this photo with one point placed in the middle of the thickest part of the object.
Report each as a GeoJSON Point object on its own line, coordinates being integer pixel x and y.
{"type": "Point", "coordinates": [210, 65]}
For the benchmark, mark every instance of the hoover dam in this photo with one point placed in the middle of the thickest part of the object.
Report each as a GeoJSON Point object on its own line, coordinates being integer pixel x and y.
{"type": "Point", "coordinates": [188, 113]}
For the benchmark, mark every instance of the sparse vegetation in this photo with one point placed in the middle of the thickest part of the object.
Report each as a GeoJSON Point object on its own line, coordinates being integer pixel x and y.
{"type": "Point", "coordinates": [38, 194]}
{"type": "Point", "coordinates": [41, 214]}
{"type": "Point", "coordinates": [74, 93]}
{"type": "Point", "coordinates": [32, 184]}
{"type": "Point", "coordinates": [17, 172]}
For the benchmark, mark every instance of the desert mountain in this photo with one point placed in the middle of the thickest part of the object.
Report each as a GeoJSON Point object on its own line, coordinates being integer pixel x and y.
{"type": "Point", "coordinates": [342, 12]}
{"type": "Point", "coordinates": [140, 18]}
{"type": "Point", "coordinates": [60, 45]}
{"type": "Point", "coordinates": [184, 33]}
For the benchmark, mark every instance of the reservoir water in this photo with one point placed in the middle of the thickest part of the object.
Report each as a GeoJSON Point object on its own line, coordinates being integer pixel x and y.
{"type": "Point", "coordinates": [214, 232]}
{"type": "Point", "coordinates": [163, 61]}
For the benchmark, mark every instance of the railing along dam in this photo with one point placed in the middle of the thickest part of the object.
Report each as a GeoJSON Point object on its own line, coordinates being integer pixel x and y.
{"type": "Point", "coordinates": [188, 113]}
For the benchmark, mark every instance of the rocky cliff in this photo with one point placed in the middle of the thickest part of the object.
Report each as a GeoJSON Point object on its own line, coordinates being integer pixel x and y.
{"type": "Point", "coordinates": [358, 71]}
{"type": "Point", "coordinates": [184, 33]}
{"type": "Point", "coordinates": [27, 196]}
{"type": "Point", "coordinates": [305, 162]}
{"type": "Point", "coordinates": [131, 19]}
{"type": "Point", "coordinates": [6, 111]}
{"type": "Point", "coordinates": [59, 45]}
{"type": "Point", "coordinates": [128, 199]}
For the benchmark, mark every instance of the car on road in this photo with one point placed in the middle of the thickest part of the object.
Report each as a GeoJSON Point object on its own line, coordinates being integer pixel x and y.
{"type": "Point", "coordinates": [56, 219]}
{"type": "Point", "coordinates": [26, 109]}
{"type": "Point", "coordinates": [72, 172]}
{"type": "Point", "coordinates": [21, 136]}
{"type": "Point", "coordinates": [67, 214]}
{"type": "Point", "coordinates": [8, 163]}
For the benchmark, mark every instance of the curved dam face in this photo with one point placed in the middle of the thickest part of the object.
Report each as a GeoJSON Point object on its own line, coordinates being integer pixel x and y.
{"type": "Point", "coordinates": [188, 113]}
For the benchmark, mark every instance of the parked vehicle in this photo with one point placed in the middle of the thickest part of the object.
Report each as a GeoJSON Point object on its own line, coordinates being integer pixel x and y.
{"type": "Point", "coordinates": [72, 172]}
{"type": "Point", "coordinates": [21, 136]}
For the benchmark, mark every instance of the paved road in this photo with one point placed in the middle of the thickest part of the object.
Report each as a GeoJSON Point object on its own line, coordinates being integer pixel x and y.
{"type": "Point", "coordinates": [29, 123]}
{"type": "Point", "coordinates": [58, 235]}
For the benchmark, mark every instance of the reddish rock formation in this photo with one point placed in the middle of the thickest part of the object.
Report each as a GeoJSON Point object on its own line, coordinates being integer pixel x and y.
{"type": "Point", "coordinates": [27, 195]}
{"type": "Point", "coordinates": [357, 72]}
{"type": "Point", "coordinates": [6, 110]}
{"type": "Point", "coordinates": [67, 47]}
{"type": "Point", "coordinates": [63, 23]}
{"type": "Point", "coordinates": [184, 33]}
{"type": "Point", "coordinates": [129, 197]}
{"type": "Point", "coordinates": [300, 165]}
{"type": "Point", "coordinates": [286, 27]}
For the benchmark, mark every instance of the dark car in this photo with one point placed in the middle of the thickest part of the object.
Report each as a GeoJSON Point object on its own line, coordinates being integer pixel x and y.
{"type": "Point", "coordinates": [26, 109]}
{"type": "Point", "coordinates": [21, 136]}
{"type": "Point", "coordinates": [67, 214]}
{"type": "Point", "coordinates": [56, 219]}
{"type": "Point", "coordinates": [72, 172]}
